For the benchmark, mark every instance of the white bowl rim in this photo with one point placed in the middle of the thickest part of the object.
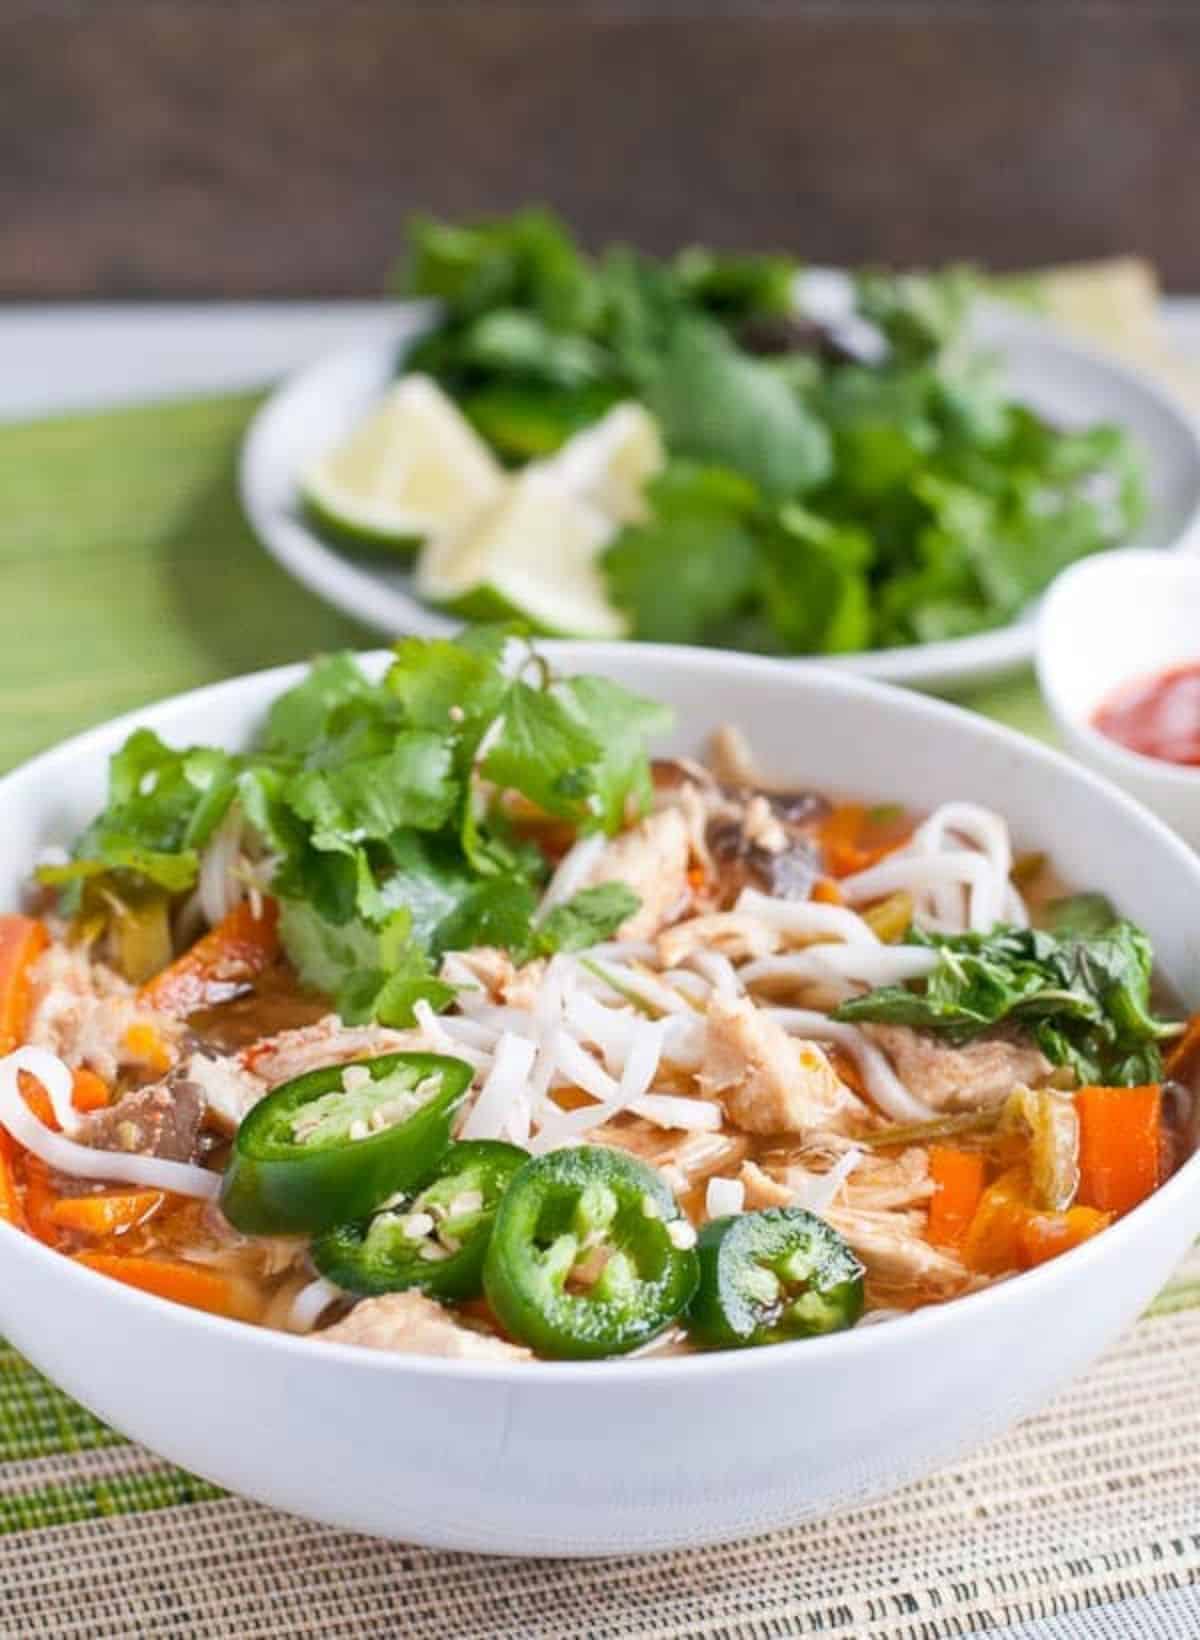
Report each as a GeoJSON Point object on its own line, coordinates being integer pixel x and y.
{"type": "Point", "coordinates": [1129, 562]}
{"type": "Point", "coordinates": [735, 1363]}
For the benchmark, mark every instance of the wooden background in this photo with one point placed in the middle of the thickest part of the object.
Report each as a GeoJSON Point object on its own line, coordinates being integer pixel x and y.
{"type": "Point", "coordinates": [272, 147]}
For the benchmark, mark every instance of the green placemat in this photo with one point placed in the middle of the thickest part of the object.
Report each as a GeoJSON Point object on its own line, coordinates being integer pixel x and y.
{"type": "Point", "coordinates": [129, 573]}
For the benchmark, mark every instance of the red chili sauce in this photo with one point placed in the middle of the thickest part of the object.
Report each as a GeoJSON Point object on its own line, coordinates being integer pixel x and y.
{"type": "Point", "coordinates": [1157, 716]}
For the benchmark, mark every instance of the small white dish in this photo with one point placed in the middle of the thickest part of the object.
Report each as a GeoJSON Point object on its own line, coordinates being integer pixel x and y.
{"type": "Point", "coordinates": [629, 1456]}
{"type": "Point", "coordinates": [1111, 620]}
{"type": "Point", "coordinates": [320, 405]}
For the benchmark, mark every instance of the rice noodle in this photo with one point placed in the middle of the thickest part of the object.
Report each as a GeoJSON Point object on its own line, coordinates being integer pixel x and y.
{"type": "Point", "coordinates": [611, 1029]}
{"type": "Point", "coordinates": [645, 987]}
{"type": "Point", "coordinates": [439, 1039]}
{"type": "Point", "coordinates": [310, 1304]}
{"type": "Point", "coordinates": [623, 951]}
{"type": "Point", "coordinates": [882, 965]}
{"type": "Point", "coordinates": [718, 971]}
{"type": "Point", "coordinates": [723, 1196]}
{"type": "Point", "coordinates": [677, 1111]}
{"type": "Point", "coordinates": [218, 887]}
{"type": "Point", "coordinates": [584, 1072]}
{"type": "Point", "coordinates": [683, 1041]}
{"type": "Point", "coordinates": [885, 1087]}
{"type": "Point", "coordinates": [918, 873]}
{"type": "Point", "coordinates": [806, 919]}
{"type": "Point", "coordinates": [473, 1032]}
{"type": "Point", "coordinates": [693, 985]}
{"type": "Point", "coordinates": [572, 873]}
{"type": "Point", "coordinates": [571, 1127]}
{"type": "Point", "coordinates": [988, 832]}
{"type": "Point", "coordinates": [826, 1186]}
{"type": "Point", "coordinates": [83, 1161]}
{"type": "Point", "coordinates": [510, 1068]}
{"type": "Point", "coordinates": [641, 1064]}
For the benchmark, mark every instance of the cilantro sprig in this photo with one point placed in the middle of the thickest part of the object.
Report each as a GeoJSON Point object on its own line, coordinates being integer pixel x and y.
{"type": "Point", "coordinates": [382, 809]}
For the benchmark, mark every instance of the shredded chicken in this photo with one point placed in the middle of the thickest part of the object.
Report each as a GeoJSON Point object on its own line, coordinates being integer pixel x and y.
{"type": "Point", "coordinates": [412, 1324]}
{"type": "Point", "coordinates": [84, 1012]}
{"type": "Point", "coordinates": [762, 1190]}
{"type": "Point", "coordinates": [731, 758]}
{"type": "Point", "coordinates": [292, 1053]}
{"type": "Point", "coordinates": [739, 937]}
{"type": "Point", "coordinates": [879, 1182]}
{"type": "Point", "coordinates": [976, 1075]}
{"type": "Point", "coordinates": [895, 1252]}
{"type": "Point", "coordinates": [499, 976]}
{"type": "Point", "coordinates": [229, 1089]}
{"type": "Point", "coordinates": [652, 860]}
{"type": "Point", "coordinates": [685, 1161]}
{"type": "Point", "coordinates": [770, 1082]}
{"type": "Point", "coordinates": [762, 826]}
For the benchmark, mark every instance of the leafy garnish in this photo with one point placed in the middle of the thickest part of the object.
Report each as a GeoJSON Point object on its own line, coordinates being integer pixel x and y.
{"type": "Point", "coordinates": [381, 811]}
{"type": "Point", "coordinates": [1084, 997]}
{"type": "Point", "coordinates": [589, 917]}
{"type": "Point", "coordinates": [931, 504]}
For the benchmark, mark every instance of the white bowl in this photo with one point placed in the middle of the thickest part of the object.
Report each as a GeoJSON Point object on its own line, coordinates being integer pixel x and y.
{"type": "Point", "coordinates": [563, 1458]}
{"type": "Point", "coordinates": [1106, 621]}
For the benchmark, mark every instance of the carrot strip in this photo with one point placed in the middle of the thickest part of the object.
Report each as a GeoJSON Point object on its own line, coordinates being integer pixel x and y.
{"type": "Point", "coordinates": [1185, 1051]}
{"type": "Point", "coordinates": [958, 1178]}
{"type": "Point", "coordinates": [826, 892]}
{"type": "Point", "coordinates": [1045, 1235]}
{"type": "Point", "coordinates": [38, 1100]}
{"type": "Point", "coordinates": [1120, 1138]}
{"type": "Point", "coordinates": [88, 1091]}
{"type": "Point", "coordinates": [39, 1200]}
{"type": "Point", "coordinates": [106, 1214]}
{"type": "Point", "coordinates": [852, 840]}
{"type": "Point", "coordinates": [237, 950]}
{"type": "Point", "coordinates": [992, 1244]}
{"type": "Point", "coordinates": [202, 1289]}
{"type": "Point", "coordinates": [143, 1042]}
{"type": "Point", "coordinates": [22, 941]}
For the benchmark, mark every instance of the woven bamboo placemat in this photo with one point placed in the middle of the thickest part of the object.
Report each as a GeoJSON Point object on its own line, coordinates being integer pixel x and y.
{"type": "Point", "coordinates": [128, 573]}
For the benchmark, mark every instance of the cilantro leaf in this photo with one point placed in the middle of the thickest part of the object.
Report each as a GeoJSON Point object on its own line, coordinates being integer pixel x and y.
{"type": "Point", "coordinates": [621, 724]}
{"type": "Point", "coordinates": [693, 564]}
{"type": "Point", "coordinates": [716, 404]}
{"type": "Point", "coordinates": [814, 579]}
{"type": "Point", "coordinates": [371, 973]}
{"type": "Point", "coordinates": [497, 911]}
{"type": "Point", "coordinates": [412, 784]}
{"type": "Point", "coordinates": [297, 720]}
{"type": "Point", "coordinates": [542, 751]}
{"type": "Point", "coordinates": [592, 915]}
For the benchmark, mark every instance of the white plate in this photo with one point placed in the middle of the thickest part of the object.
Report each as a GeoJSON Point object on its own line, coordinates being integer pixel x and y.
{"type": "Point", "coordinates": [629, 1456]}
{"type": "Point", "coordinates": [321, 404]}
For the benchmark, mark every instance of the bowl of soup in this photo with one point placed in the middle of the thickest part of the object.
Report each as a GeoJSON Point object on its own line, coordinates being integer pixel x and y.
{"type": "Point", "coordinates": [580, 1100]}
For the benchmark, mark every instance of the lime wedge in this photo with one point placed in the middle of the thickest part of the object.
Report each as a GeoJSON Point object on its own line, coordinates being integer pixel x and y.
{"type": "Point", "coordinates": [610, 463]}
{"type": "Point", "coordinates": [415, 469]}
{"type": "Point", "coordinates": [532, 556]}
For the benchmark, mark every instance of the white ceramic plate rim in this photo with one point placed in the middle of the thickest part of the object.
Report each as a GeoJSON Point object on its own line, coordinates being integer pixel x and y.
{"type": "Point", "coordinates": [730, 1363]}
{"type": "Point", "coordinates": [354, 586]}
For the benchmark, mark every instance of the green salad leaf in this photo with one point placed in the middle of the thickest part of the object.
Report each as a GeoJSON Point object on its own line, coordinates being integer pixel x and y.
{"type": "Point", "coordinates": [1082, 993]}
